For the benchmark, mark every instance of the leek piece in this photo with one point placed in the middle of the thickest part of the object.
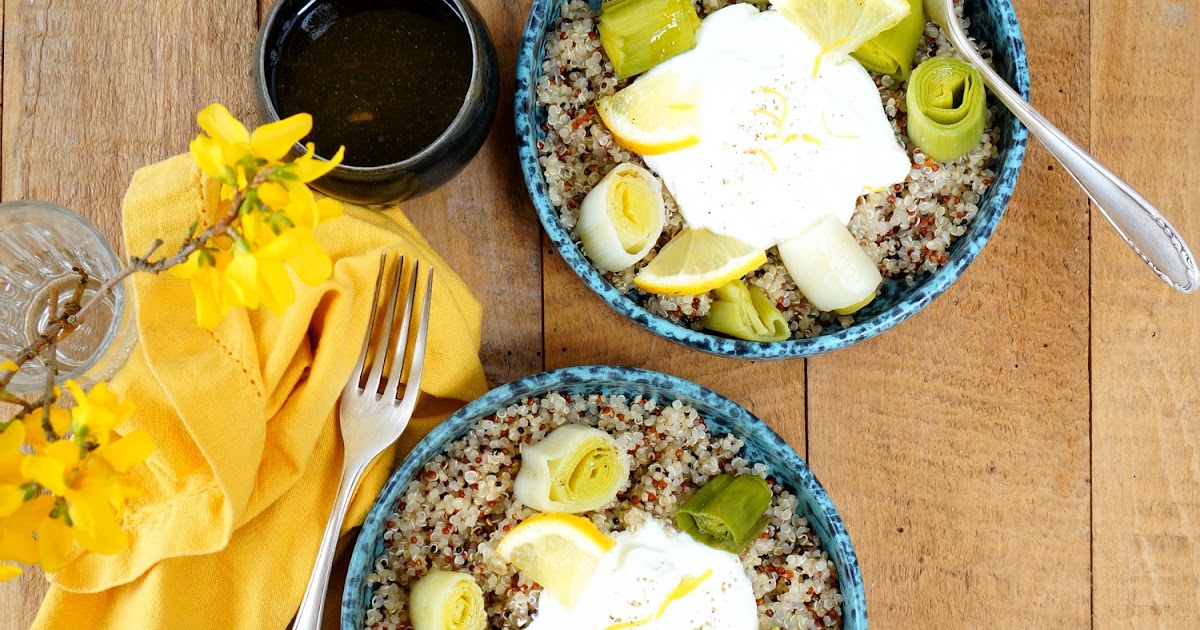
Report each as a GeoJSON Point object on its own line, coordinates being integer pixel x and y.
{"type": "Point", "coordinates": [745, 314]}
{"type": "Point", "coordinates": [947, 105]}
{"type": "Point", "coordinates": [573, 469]}
{"type": "Point", "coordinates": [727, 512]}
{"type": "Point", "coordinates": [621, 219]}
{"type": "Point", "coordinates": [892, 51]}
{"type": "Point", "coordinates": [447, 600]}
{"type": "Point", "coordinates": [640, 34]}
{"type": "Point", "coordinates": [830, 268]}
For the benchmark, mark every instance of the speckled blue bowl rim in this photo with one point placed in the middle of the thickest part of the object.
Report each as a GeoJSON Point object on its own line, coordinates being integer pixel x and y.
{"type": "Point", "coordinates": [762, 445]}
{"type": "Point", "coordinates": [1005, 38]}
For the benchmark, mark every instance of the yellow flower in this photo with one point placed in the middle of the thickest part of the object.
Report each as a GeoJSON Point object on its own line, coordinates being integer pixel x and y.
{"type": "Point", "coordinates": [210, 159]}
{"type": "Point", "coordinates": [300, 250]}
{"type": "Point", "coordinates": [270, 142]}
{"type": "Point", "coordinates": [309, 167]}
{"type": "Point", "coordinates": [53, 543]}
{"type": "Point", "coordinates": [35, 433]}
{"type": "Point", "coordinates": [240, 284]}
{"type": "Point", "coordinates": [274, 227]}
{"type": "Point", "coordinates": [95, 496]}
{"type": "Point", "coordinates": [9, 366]}
{"type": "Point", "coordinates": [205, 279]}
{"type": "Point", "coordinates": [89, 487]}
{"type": "Point", "coordinates": [259, 276]}
{"type": "Point", "coordinates": [17, 530]}
{"type": "Point", "coordinates": [11, 457]}
{"type": "Point", "coordinates": [126, 452]}
{"type": "Point", "coordinates": [229, 135]}
{"type": "Point", "coordinates": [298, 203]}
{"type": "Point", "coordinates": [97, 413]}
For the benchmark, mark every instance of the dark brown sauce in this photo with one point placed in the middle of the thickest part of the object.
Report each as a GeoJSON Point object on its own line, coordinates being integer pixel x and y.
{"type": "Point", "coordinates": [384, 79]}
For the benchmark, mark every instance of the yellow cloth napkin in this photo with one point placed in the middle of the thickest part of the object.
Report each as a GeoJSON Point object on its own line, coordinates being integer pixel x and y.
{"type": "Point", "coordinates": [248, 450]}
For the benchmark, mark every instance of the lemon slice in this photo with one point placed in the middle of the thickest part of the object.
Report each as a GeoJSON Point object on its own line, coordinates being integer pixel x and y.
{"type": "Point", "coordinates": [558, 551]}
{"type": "Point", "coordinates": [659, 113]}
{"type": "Point", "coordinates": [844, 25]}
{"type": "Point", "coordinates": [696, 261]}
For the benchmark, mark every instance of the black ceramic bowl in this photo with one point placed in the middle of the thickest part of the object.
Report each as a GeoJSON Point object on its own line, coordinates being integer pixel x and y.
{"type": "Point", "coordinates": [428, 168]}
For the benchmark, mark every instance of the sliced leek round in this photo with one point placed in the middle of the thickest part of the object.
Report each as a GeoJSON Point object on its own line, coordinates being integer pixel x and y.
{"type": "Point", "coordinates": [727, 512]}
{"type": "Point", "coordinates": [745, 314]}
{"type": "Point", "coordinates": [830, 268]}
{"type": "Point", "coordinates": [573, 469]}
{"type": "Point", "coordinates": [447, 600]}
{"type": "Point", "coordinates": [892, 51]}
{"type": "Point", "coordinates": [621, 219]}
{"type": "Point", "coordinates": [947, 108]}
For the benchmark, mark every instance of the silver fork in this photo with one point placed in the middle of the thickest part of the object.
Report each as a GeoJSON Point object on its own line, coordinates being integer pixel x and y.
{"type": "Point", "coordinates": [1142, 226]}
{"type": "Point", "coordinates": [370, 421]}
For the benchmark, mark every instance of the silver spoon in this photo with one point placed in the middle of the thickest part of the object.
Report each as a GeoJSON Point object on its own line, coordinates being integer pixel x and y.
{"type": "Point", "coordinates": [1142, 226]}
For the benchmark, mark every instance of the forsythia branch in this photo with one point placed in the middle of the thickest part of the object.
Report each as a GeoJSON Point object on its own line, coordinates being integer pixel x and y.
{"type": "Point", "coordinates": [62, 473]}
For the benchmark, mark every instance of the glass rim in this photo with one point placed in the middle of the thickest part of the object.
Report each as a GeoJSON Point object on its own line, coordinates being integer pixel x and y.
{"type": "Point", "coordinates": [121, 293]}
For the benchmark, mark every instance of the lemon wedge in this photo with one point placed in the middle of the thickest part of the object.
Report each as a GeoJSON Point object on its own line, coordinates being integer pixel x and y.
{"type": "Point", "coordinates": [696, 261]}
{"type": "Point", "coordinates": [843, 26]}
{"type": "Point", "coordinates": [558, 551]}
{"type": "Point", "coordinates": [659, 113]}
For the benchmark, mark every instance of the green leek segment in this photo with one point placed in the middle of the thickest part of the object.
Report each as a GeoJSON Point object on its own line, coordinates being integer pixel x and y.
{"type": "Point", "coordinates": [892, 51]}
{"type": "Point", "coordinates": [745, 314]}
{"type": "Point", "coordinates": [727, 512]}
{"type": "Point", "coordinates": [574, 469]}
{"type": "Point", "coordinates": [947, 106]}
{"type": "Point", "coordinates": [447, 600]}
{"type": "Point", "coordinates": [640, 34]}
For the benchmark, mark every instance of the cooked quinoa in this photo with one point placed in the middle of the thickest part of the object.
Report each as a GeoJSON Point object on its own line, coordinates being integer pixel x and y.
{"type": "Point", "coordinates": [460, 506]}
{"type": "Point", "coordinates": [907, 230]}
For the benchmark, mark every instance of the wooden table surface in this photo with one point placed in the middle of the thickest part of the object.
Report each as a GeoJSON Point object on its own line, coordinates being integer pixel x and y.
{"type": "Point", "coordinates": [1024, 453]}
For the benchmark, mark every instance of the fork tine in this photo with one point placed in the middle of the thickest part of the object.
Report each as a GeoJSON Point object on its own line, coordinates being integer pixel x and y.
{"type": "Point", "coordinates": [393, 383]}
{"type": "Point", "coordinates": [356, 375]}
{"type": "Point", "coordinates": [418, 361]}
{"type": "Point", "coordinates": [381, 343]}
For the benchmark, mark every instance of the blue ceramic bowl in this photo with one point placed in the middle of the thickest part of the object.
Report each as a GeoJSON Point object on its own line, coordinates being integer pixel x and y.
{"type": "Point", "coordinates": [992, 21]}
{"type": "Point", "coordinates": [722, 415]}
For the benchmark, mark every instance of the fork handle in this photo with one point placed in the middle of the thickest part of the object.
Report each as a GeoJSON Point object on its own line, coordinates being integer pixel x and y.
{"type": "Point", "coordinates": [313, 605]}
{"type": "Point", "coordinates": [1135, 219]}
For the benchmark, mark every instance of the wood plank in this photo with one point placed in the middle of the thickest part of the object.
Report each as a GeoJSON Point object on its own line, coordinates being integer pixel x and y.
{"type": "Point", "coordinates": [1146, 337]}
{"type": "Point", "coordinates": [956, 446]}
{"type": "Point", "coordinates": [582, 330]}
{"type": "Point", "coordinates": [482, 222]}
{"type": "Point", "coordinates": [91, 96]}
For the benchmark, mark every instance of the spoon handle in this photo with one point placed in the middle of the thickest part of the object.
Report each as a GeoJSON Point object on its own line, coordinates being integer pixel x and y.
{"type": "Point", "coordinates": [1142, 226]}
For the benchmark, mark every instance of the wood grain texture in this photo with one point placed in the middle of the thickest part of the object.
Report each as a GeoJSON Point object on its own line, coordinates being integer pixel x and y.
{"type": "Point", "coordinates": [93, 94]}
{"type": "Point", "coordinates": [956, 446]}
{"type": "Point", "coordinates": [582, 330]}
{"type": "Point", "coordinates": [1146, 337]}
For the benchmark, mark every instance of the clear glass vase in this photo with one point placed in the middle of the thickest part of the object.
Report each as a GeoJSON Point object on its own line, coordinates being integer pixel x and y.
{"type": "Point", "coordinates": [40, 243]}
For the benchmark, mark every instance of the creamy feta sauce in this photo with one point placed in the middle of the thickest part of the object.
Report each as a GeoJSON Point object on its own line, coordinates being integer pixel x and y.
{"type": "Point", "coordinates": [779, 146]}
{"type": "Point", "coordinates": [656, 580]}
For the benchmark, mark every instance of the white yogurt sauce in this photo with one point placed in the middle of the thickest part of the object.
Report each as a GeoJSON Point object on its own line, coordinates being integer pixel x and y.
{"type": "Point", "coordinates": [655, 580]}
{"type": "Point", "coordinates": [779, 147]}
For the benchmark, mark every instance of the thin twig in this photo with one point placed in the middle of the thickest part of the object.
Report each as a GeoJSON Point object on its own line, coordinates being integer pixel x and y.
{"type": "Point", "coordinates": [64, 323]}
{"type": "Point", "coordinates": [143, 263]}
{"type": "Point", "coordinates": [56, 328]}
{"type": "Point", "coordinates": [52, 368]}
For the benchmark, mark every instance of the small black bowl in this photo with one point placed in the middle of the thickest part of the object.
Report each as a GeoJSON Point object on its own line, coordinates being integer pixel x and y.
{"type": "Point", "coordinates": [428, 168]}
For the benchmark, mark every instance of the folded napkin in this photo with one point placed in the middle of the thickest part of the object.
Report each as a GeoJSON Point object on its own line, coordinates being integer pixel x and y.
{"type": "Point", "coordinates": [248, 452]}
